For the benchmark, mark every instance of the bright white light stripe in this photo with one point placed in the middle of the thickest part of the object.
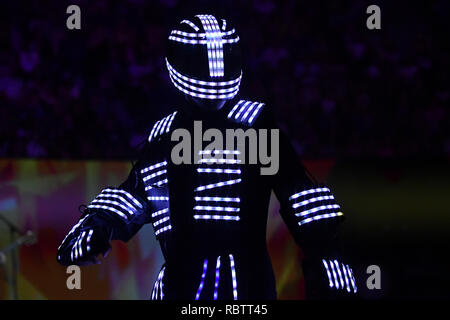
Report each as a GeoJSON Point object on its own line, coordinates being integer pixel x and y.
{"type": "Point", "coordinates": [225, 41]}
{"type": "Point", "coordinates": [330, 281]}
{"type": "Point", "coordinates": [201, 152]}
{"type": "Point", "coordinates": [88, 241]}
{"type": "Point", "coordinates": [224, 24]}
{"type": "Point", "coordinates": [216, 217]}
{"type": "Point", "coordinates": [249, 110]}
{"type": "Point", "coordinates": [80, 249]}
{"type": "Point", "coordinates": [242, 109]}
{"type": "Point", "coordinates": [188, 34]}
{"type": "Point", "coordinates": [295, 196]}
{"type": "Point", "coordinates": [170, 121]}
{"type": "Point", "coordinates": [107, 195]}
{"type": "Point", "coordinates": [166, 120]}
{"type": "Point", "coordinates": [347, 282]}
{"type": "Point", "coordinates": [161, 293]}
{"type": "Point", "coordinates": [221, 161]}
{"type": "Point", "coordinates": [155, 166]}
{"type": "Point", "coordinates": [163, 230]}
{"type": "Point", "coordinates": [320, 217]}
{"type": "Point", "coordinates": [352, 278]}
{"type": "Point", "coordinates": [218, 185]}
{"type": "Point", "coordinates": [229, 171]}
{"type": "Point", "coordinates": [129, 196]}
{"type": "Point", "coordinates": [233, 277]}
{"type": "Point", "coordinates": [234, 108]}
{"type": "Point", "coordinates": [339, 273]}
{"type": "Point", "coordinates": [204, 83]}
{"type": "Point", "coordinates": [157, 129]}
{"type": "Point", "coordinates": [204, 96]}
{"type": "Point", "coordinates": [211, 208]}
{"type": "Point", "coordinates": [336, 282]}
{"type": "Point", "coordinates": [157, 223]}
{"type": "Point", "coordinates": [191, 24]}
{"type": "Point", "coordinates": [154, 291]}
{"type": "Point", "coordinates": [216, 282]}
{"type": "Point", "coordinates": [108, 208]}
{"type": "Point", "coordinates": [114, 203]}
{"type": "Point", "coordinates": [75, 227]}
{"type": "Point", "coordinates": [199, 89]}
{"type": "Point", "coordinates": [305, 202]}
{"type": "Point", "coordinates": [255, 113]}
{"type": "Point", "coordinates": [202, 280]}
{"type": "Point", "coordinates": [158, 198]}
{"type": "Point", "coordinates": [214, 45]}
{"type": "Point", "coordinates": [160, 212]}
{"type": "Point", "coordinates": [157, 184]}
{"type": "Point", "coordinates": [218, 199]}
{"type": "Point", "coordinates": [153, 130]}
{"type": "Point", "coordinates": [153, 175]}
{"type": "Point", "coordinates": [321, 208]}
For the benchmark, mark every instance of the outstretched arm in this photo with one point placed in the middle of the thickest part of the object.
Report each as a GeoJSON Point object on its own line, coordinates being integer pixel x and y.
{"type": "Point", "coordinates": [114, 214]}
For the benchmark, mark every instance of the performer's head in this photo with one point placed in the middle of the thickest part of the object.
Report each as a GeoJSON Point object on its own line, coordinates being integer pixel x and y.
{"type": "Point", "coordinates": [204, 60]}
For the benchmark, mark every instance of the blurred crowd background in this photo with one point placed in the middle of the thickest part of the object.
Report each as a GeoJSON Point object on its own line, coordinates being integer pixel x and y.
{"type": "Point", "coordinates": [339, 89]}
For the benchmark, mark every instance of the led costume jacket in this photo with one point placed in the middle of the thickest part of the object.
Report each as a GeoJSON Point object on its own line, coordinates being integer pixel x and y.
{"type": "Point", "coordinates": [210, 215]}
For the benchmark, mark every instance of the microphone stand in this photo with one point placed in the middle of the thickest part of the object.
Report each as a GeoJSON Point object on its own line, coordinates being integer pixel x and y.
{"type": "Point", "coordinates": [12, 247]}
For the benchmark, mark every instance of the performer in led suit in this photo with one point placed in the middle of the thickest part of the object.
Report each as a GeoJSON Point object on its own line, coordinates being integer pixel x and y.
{"type": "Point", "coordinates": [210, 216]}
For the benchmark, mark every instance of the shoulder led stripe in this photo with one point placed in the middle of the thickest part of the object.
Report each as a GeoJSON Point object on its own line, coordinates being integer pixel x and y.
{"type": "Point", "coordinates": [253, 105]}
{"type": "Point", "coordinates": [234, 108]}
{"type": "Point", "coordinates": [255, 113]}
{"type": "Point", "coordinates": [242, 109]}
{"type": "Point", "coordinates": [170, 121]}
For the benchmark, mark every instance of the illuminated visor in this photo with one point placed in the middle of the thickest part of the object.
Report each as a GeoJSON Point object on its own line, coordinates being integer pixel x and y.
{"type": "Point", "coordinates": [204, 89]}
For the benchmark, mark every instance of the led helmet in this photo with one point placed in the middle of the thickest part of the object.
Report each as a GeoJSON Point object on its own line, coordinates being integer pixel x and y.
{"type": "Point", "coordinates": [204, 60]}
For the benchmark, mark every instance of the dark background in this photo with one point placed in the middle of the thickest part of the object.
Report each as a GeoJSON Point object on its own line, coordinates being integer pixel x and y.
{"type": "Point", "coordinates": [372, 99]}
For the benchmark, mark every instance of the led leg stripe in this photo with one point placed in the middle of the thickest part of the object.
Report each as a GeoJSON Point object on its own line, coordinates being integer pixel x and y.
{"type": "Point", "coordinates": [216, 282]}
{"type": "Point", "coordinates": [153, 130]}
{"type": "Point", "coordinates": [161, 131]}
{"type": "Point", "coordinates": [233, 276]}
{"type": "Point", "coordinates": [202, 280]}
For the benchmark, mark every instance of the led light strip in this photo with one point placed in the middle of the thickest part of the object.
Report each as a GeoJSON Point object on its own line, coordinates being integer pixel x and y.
{"type": "Point", "coordinates": [129, 196]}
{"type": "Point", "coordinates": [217, 199]}
{"type": "Point", "coordinates": [155, 166]}
{"type": "Point", "coordinates": [339, 273]}
{"type": "Point", "coordinates": [224, 24]}
{"type": "Point", "coordinates": [234, 152]}
{"type": "Point", "coordinates": [330, 280]}
{"type": "Point", "coordinates": [295, 196]}
{"type": "Point", "coordinates": [211, 208]}
{"type": "Point", "coordinates": [218, 185]}
{"type": "Point", "coordinates": [216, 217]}
{"type": "Point", "coordinates": [161, 131]}
{"type": "Point", "coordinates": [216, 282]}
{"type": "Point", "coordinates": [109, 209]}
{"type": "Point", "coordinates": [157, 184]}
{"type": "Point", "coordinates": [201, 82]}
{"type": "Point", "coordinates": [305, 202]}
{"type": "Point", "coordinates": [187, 34]}
{"type": "Point", "coordinates": [199, 89]}
{"type": "Point", "coordinates": [202, 280]}
{"type": "Point", "coordinates": [255, 113]}
{"type": "Point", "coordinates": [157, 223]}
{"type": "Point", "coordinates": [170, 121]}
{"type": "Point", "coordinates": [249, 110]}
{"type": "Point", "coordinates": [160, 212]}
{"type": "Point", "coordinates": [317, 209]}
{"type": "Point", "coordinates": [114, 203]}
{"type": "Point", "coordinates": [229, 171]}
{"type": "Point", "coordinates": [221, 161]}
{"type": "Point", "coordinates": [233, 277]}
{"type": "Point", "coordinates": [234, 108]}
{"type": "Point", "coordinates": [336, 282]}
{"type": "Point", "coordinates": [320, 217]}
{"type": "Point", "coordinates": [161, 285]}
{"type": "Point", "coordinates": [191, 24]}
{"type": "Point", "coordinates": [182, 40]}
{"type": "Point", "coordinates": [169, 227]}
{"type": "Point", "coordinates": [352, 279]}
{"type": "Point", "coordinates": [88, 241]}
{"type": "Point", "coordinates": [242, 109]}
{"type": "Point", "coordinates": [153, 175]}
{"type": "Point", "coordinates": [75, 227]}
{"type": "Point", "coordinates": [347, 283]}
{"type": "Point", "coordinates": [158, 198]}
{"type": "Point", "coordinates": [115, 196]}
